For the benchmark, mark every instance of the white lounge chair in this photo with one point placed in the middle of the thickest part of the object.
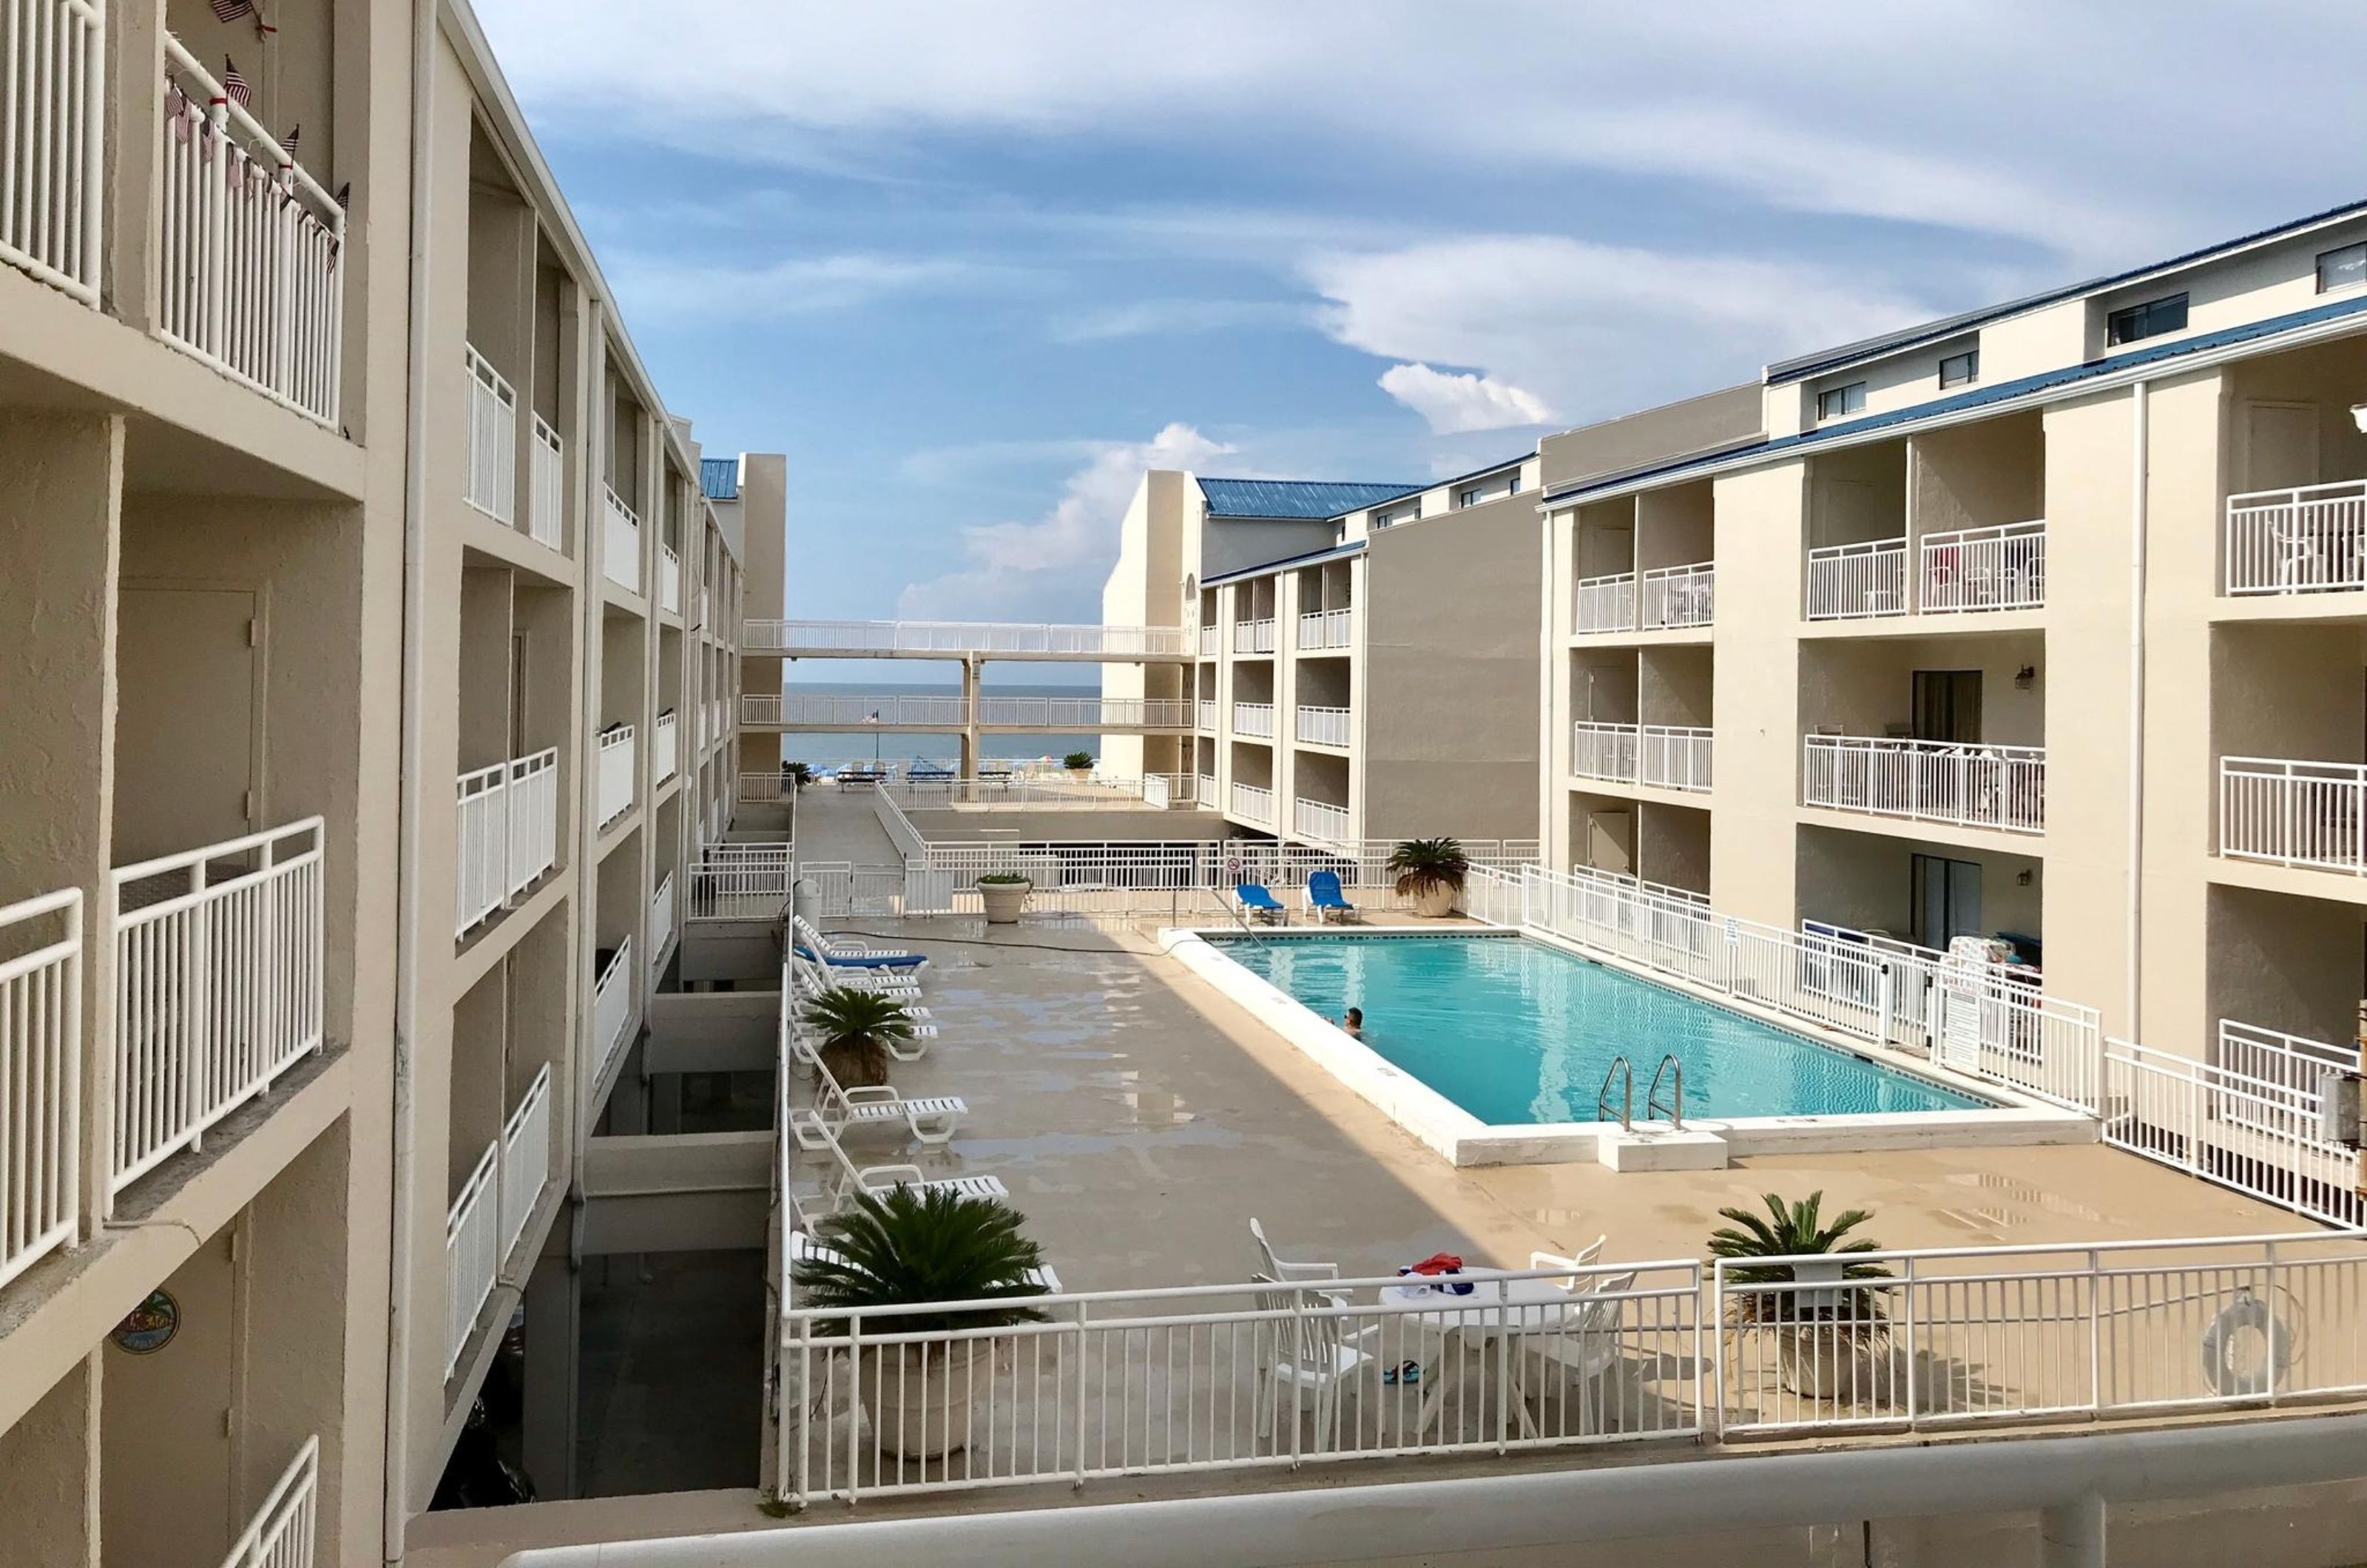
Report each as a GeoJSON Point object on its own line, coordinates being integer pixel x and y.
{"type": "Point", "coordinates": [822, 977]}
{"type": "Point", "coordinates": [1277, 1269]}
{"type": "Point", "coordinates": [877, 1107]}
{"type": "Point", "coordinates": [854, 950]}
{"type": "Point", "coordinates": [1313, 1355]}
{"type": "Point", "coordinates": [852, 1178]}
{"type": "Point", "coordinates": [804, 1245]}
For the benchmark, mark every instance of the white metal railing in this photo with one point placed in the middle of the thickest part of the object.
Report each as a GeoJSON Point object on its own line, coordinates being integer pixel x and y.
{"type": "Point", "coordinates": [719, 715]}
{"type": "Point", "coordinates": [620, 551]}
{"type": "Point", "coordinates": [966, 637]}
{"type": "Point", "coordinates": [665, 744]}
{"type": "Point", "coordinates": [2257, 1133]}
{"type": "Point", "coordinates": [661, 922]}
{"type": "Point", "coordinates": [546, 501]}
{"type": "Point", "coordinates": [1325, 727]}
{"type": "Point", "coordinates": [2282, 1064]}
{"type": "Point", "coordinates": [740, 881]}
{"type": "Point", "coordinates": [1599, 751]}
{"type": "Point", "coordinates": [1673, 756]}
{"type": "Point", "coordinates": [1319, 820]}
{"type": "Point", "coordinates": [853, 713]}
{"type": "Point", "coordinates": [2305, 540]}
{"type": "Point", "coordinates": [526, 1159]}
{"type": "Point", "coordinates": [41, 1076]}
{"type": "Point", "coordinates": [1253, 637]}
{"type": "Point", "coordinates": [1185, 878]}
{"type": "Point", "coordinates": [53, 111]}
{"type": "Point", "coordinates": [1158, 790]}
{"type": "Point", "coordinates": [1847, 582]}
{"type": "Point", "coordinates": [1254, 719]}
{"type": "Point", "coordinates": [619, 760]}
{"type": "Point", "coordinates": [492, 440]}
{"type": "Point", "coordinates": [284, 1530]}
{"type": "Point", "coordinates": [1985, 569]}
{"type": "Point", "coordinates": [1208, 642]}
{"type": "Point", "coordinates": [1606, 603]}
{"type": "Point", "coordinates": [1323, 630]}
{"type": "Point", "coordinates": [1254, 802]}
{"type": "Point", "coordinates": [1085, 713]}
{"type": "Point", "coordinates": [472, 1251]}
{"type": "Point", "coordinates": [612, 1012]}
{"type": "Point", "coordinates": [1673, 596]}
{"type": "Point", "coordinates": [2307, 814]}
{"type": "Point", "coordinates": [1929, 781]}
{"type": "Point", "coordinates": [249, 249]}
{"type": "Point", "coordinates": [508, 833]}
{"type": "Point", "coordinates": [669, 577]}
{"type": "Point", "coordinates": [1203, 790]}
{"type": "Point", "coordinates": [218, 956]}
{"type": "Point", "coordinates": [1207, 716]}
{"type": "Point", "coordinates": [1222, 1377]}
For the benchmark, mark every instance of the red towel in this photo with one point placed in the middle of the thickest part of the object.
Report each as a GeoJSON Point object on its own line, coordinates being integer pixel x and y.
{"type": "Point", "coordinates": [1438, 1263]}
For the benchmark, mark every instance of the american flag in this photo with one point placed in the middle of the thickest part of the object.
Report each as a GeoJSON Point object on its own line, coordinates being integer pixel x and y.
{"type": "Point", "coordinates": [288, 142]}
{"type": "Point", "coordinates": [231, 10]}
{"type": "Point", "coordinates": [235, 86]}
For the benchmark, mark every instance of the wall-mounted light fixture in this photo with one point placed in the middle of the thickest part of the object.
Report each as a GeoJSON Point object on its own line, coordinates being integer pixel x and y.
{"type": "Point", "coordinates": [2358, 415]}
{"type": "Point", "coordinates": [2025, 678]}
{"type": "Point", "coordinates": [2022, 878]}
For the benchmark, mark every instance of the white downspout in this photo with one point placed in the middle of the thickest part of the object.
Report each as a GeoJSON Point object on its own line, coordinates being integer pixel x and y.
{"type": "Point", "coordinates": [406, 930]}
{"type": "Point", "coordinates": [2130, 1020]}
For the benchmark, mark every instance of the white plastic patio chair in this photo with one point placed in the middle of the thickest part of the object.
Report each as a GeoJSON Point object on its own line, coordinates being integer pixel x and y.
{"type": "Point", "coordinates": [1581, 1346]}
{"type": "Point", "coordinates": [1277, 1269]}
{"type": "Point", "coordinates": [851, 1178]}
{"type": "Point", "coordinates": [1586, 1255]}
{"type": "Point", "coordinates": [878, 1106]}
{"type": "Point", "coordinates": [1313, 1355]}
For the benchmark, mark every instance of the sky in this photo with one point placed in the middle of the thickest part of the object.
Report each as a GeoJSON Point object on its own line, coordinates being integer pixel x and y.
{"type": "Point", "coordinates": [975, 267]}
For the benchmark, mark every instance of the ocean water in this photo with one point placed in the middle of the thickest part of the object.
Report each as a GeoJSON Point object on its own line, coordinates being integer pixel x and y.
{"type": "Point", "coordinates": [903, 747]}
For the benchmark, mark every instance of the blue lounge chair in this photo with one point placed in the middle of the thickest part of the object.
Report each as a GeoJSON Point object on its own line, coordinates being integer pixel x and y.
{"type": "Point", "coordinates": [1258, 903]}
{"type": "Point", "coordinates": [1324, 898]}
{"type": "Point", "coordinates": [842, 960]}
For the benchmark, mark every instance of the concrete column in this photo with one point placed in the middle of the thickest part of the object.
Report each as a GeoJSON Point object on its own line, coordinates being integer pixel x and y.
{"type": "Point", "coordinates": [973, 670]}
{"type": "Point", "coordinates": [48, 1473]}
{"type": "Point", "coordinates": [2071, 1535]}
{"type": "Point", "coordinates": [554, 1307]}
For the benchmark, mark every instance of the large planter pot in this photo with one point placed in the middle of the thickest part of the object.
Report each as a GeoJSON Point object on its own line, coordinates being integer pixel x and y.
{"type": "Point", "coordinates": [1004, 900]}
{"type": "Point", "coordinates": [918, 1396]}
{"type": "Point", "coordinates": [1082, 775]}
{"type": "Point", "coordinates": [1848, 1366]}
{"type": "Point", "coordinates": [1434, 902]}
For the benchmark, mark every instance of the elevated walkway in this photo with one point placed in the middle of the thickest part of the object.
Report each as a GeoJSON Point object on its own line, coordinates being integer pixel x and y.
{"type": "Point", "coordinates": [969, 640]}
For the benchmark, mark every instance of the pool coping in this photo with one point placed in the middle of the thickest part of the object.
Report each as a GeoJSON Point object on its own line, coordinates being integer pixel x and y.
{"type": "Point", "coordinates": [1463, 1139]}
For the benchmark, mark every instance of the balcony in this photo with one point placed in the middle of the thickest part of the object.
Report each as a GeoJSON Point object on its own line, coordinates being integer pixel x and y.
{"type": "Point", "coordinates": [1253, 721]}
{"type": "Point", "coordinates": [620, 554]}
{"type": "Point", "coordinates": [1321, 631]}
{"type": "Point", "coordinates": [1669, 597]}
{"type": "Point", "coordinates": [40, 1074]}
{"type": "Point", "coordinates": [2287, 813]}
{"type": "Point", "coordinates": [1254, 803]}
{"type": "Point", "coordinates": [1664, 756]}
{"type": "Point", "coordinates": [669, 579]}
{"type": "Point", "coordinates": [1208, 642]}
{"type": "Point", "coordinates": [2308, 540]}
{"type": "Point", "coordinates": [1965, 785]}
{"type": "Point", "coordinates": [1323, 823]}
{"type": "Point", "coordinates": [250, 250]}
{"type": "Point", "coordinates": [1606, 603]}
{"type": "Point", "coordinates": [1208, 716]}
{"type": "Point", "coordinates": [285, 1529]}
{"type": "Point", "coordinates": [1985, 569]}
{"type": "Point", "coordinates": [618, 759]}
{"type": "Point", "coordinates": [661, 924]}
{"type": "Point", "coordinates": [508, 833]}
{"type": "Point", "coordinates": [612, 1012]}
{"type": "Point", "coordinates": [484, 1223]}
{"type": "Point", "coordinates": [546, 486]}
{"type": "Point", "coordinates": [1324, 726]}
{"type": "Point", "coordinates": [1602, 750]}
{"type": "Point", "coordinates": [1253, 637]}
{"type": "Point", "coordinates": [666, 746]}
{"type": "Point", "coordinates": [1853, 582]}
{"type": "Point", "coordinates": [218, 956]}
{"type": "Point", "coordinates": [492, 441]}
{"type": "Point", "coordinates": [719, 715]}
{"type": "Point", "coordinates": [53, 143]}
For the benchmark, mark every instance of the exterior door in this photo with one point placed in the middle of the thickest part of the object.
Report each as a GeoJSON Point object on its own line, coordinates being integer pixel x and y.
{"type": "Point", "coordinates": [1611, 842]}
{"type": "Point", "coordinates": [1947, 705]}
{"type": "Point", "coordinates": [2279, 445]}
{"type": "Point", "coordinates": [166, 1491]}
{"type": "Point", "coordinates": [1947, 900]}
{"type": "Point", "coordinates": [186, 711]}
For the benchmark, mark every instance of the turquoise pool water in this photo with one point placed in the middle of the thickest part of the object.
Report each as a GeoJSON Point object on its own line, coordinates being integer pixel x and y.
{"type": "Point", "coordinates": [1515, 1030]}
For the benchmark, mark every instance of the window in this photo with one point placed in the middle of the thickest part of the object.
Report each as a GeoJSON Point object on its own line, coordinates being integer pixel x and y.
{"type": "Point", "coordinates": [1390, 519]}
{"type": "Point", "coordinates": [1836, 401]}
{"type": "Point", "coordinates": [2151, 319]}
{"type": "Point", "coordinates": [2344, 268]}
{"type": "Point", "coordinates": [1958, 369]}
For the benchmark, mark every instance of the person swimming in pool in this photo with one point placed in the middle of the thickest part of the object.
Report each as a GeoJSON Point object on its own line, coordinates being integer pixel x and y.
{"type": "Point", "coordinates": [1354, 1022]}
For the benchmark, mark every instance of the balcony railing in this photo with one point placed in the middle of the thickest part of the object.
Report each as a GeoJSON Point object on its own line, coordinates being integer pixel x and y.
{"type": "Point", "coordinates": [284, 1530]}
{"type": "Point", "coordinates": [2288, 813]}
{"type": "Point", "coordinates": [1323, 630]}
{"type": "Point", "coordinates": [1208, 642]}
{"type": "Point", "coordinates": [1967, 785]}
{"type": "Point", "coordinates": [612, 1012]}
{"type": "Point", "coordinates": [250, 249]}
{"type": "Point", "coordinates": [41, 1076]}
{"type": "Point", "coordinates": [492, 441]}
{"type": "Point", "coordinates": [509, 833]}
{"type": "Point", "coordinates": [2309, 540]}
{"type": "Point", "coordinates": [661, 924]}
{"type": "Point", "coordinates": [669, 579]}
{"type": "Point", "coordinates": [1254, 720]}
{"type": "Point", "coordinates": [546, 486]}
{"type": "Point", "coordinates": [966, 637]}
{"type": "Point", "coordinates": [483, 1224]}
{"type": "Point", "coordinates": [1324, 726]}
{"type": "Point", "coordinates": [1253, 637]}
{"type": "Point", "coordinates": [526, 1158]}
{"type": "Point", "coordinates": [620, 554]}
{"type": "Point", "coordinates": [1606, 603]}
{"type": "Point", "coordinates": [1254, 802]}
{"type": "Point", "coordinates": [1673, 596]}
{"type": "Point", "coordinates": [1204, 790]}
{"type": "Point", "coordinates": [1085, 713]}
{"type": "Point", "coordinates": [1599, 750]}
{"type": "Point", "coordinates": [1319, 821]}
{"type": "Point", "coordinates": [1208, 716]}
{"type": "Point", "coordinates": [665, 745]}
{"type": "Point", "coordinates": [1850, 581]}
{"type": "Point", "coordinates": [217, 963]}
{"type": "Point", "coordinates": [53, 142]}
{"type": "Point", "coordinates": [619, 760]}
{"type": "Point", "coordinates": [1985, 569]}
{"type": "Point", "coordinates": [1674, 757]}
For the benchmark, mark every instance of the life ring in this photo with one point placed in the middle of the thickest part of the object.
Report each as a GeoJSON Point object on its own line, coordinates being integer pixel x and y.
{"type": "Point", "coordinates": [2230, 1379]}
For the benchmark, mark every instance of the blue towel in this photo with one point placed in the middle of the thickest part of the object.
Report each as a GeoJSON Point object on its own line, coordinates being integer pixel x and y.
{"type": "Point", "coordinates": [865, 960]}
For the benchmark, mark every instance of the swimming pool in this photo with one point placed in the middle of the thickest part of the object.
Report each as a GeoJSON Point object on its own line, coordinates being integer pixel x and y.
{"type": "Point", "coordinates": [1514, 1031]}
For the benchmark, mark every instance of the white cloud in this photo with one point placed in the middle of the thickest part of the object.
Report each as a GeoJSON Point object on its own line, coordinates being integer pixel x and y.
{"type": "Point", "coordinates": [652, 286]}
{"type": "Point", "coordinates": [1052, 568]}
{"type": "Point", "coordinates": [1456, 404]}
{"type": "Point", "coordinates": [1162, 318]}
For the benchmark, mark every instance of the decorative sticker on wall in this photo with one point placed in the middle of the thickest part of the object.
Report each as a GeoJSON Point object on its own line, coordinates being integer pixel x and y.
{"type": "Point", "coordinates": [150, 1327]}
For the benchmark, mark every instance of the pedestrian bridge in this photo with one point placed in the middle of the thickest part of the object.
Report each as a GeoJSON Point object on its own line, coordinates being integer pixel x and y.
{"type": "Point", "coordinates": [930, 713]}
{"type": "Point", "coordinates": [970, 641]}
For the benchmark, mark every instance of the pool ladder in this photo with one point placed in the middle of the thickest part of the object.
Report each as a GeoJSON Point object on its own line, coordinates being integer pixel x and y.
{"type": "Point", "coordinates": [1670, 1071]}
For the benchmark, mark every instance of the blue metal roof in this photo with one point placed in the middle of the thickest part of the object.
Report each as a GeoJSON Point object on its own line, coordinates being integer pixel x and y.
{"type": "Point", "coordinates": [1312, 557]}
{"type": "Point", "coordinates": [2004, 392]}
{"type": "Point", "coordinates": [1318, 499]}
{"type": "Point", "coordinates": [720, 478]}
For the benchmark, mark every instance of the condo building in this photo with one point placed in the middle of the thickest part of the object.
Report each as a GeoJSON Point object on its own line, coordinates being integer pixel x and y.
{"type": "Point", "coordinates": [371, 692]}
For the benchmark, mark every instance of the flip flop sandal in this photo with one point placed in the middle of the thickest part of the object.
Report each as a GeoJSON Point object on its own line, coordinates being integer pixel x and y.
{"type": "Point", "coordinates": [1403, 1372]}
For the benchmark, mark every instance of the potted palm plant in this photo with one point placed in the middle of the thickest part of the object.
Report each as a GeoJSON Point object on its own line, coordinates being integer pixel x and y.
{"type": "Point", "coordinates": [796, 775]}
{"type": "Point", "coordinates": [1832, 1339]}
{"type": "Point", "coordinates": [908, 1247]}
{"type": "Point", "coordinates": [1005, 894]}
{"type": "Point", "coordinates": [853, 1029]}
{"type": "Point", "coordinates": [1079, 765]}
{"type": "Point", "coordinates": [1431, 872]}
